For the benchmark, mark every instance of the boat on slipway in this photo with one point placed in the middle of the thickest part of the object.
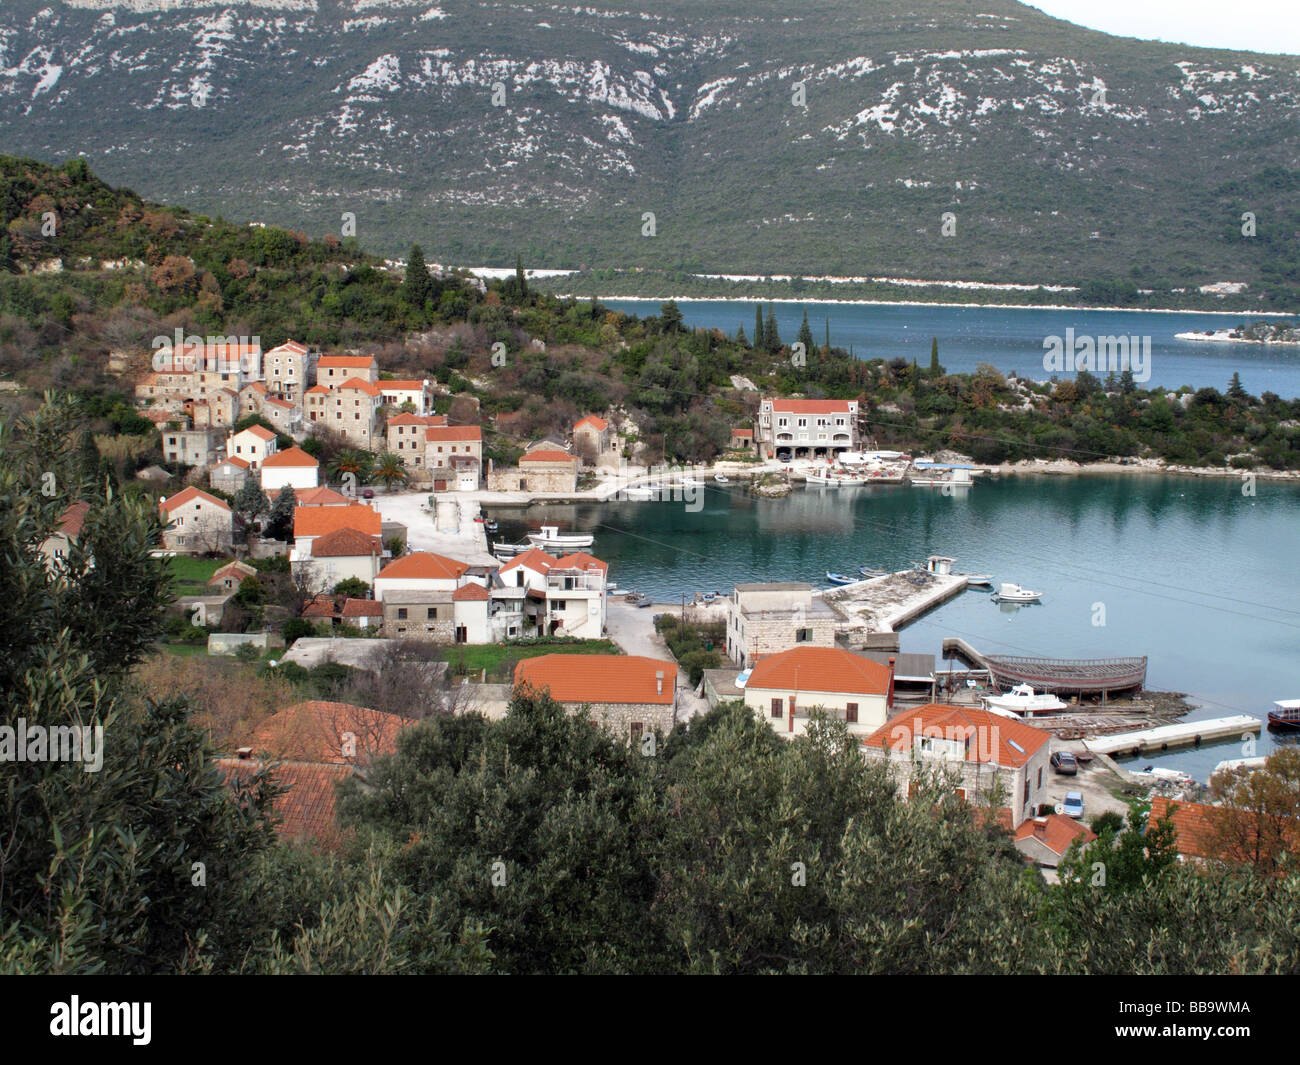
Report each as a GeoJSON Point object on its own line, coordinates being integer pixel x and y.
{"type": "Point", "coordinates": [1023, 701]}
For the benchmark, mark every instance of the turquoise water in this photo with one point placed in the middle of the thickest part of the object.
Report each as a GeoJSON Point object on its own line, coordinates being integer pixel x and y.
{"type": "Point", "coordinates": [1187, 571]}
{"type": "Point", "coordinates": [1012, 338]}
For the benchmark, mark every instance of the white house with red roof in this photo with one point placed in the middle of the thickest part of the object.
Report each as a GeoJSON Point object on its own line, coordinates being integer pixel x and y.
{"type": "Point", "coordinates": [984, 753]}
{"type": "Point", "coordinates": [229, 474]}
{"type": "Point", "coordinates": [783, 688]}
{"type": "Point", "coordinates": [807, 428]}
{"type": "Point", "coordinates": [341, 554]}
{"type": "Point", "coordinates": [291, 468]}
{"type": "Point", "coordinates": [196, 522]}
{"type": "Point", "coordinates": [254, 445]}
{"type": "Point", "coordinates": [398, 393]}
{"type": "Point", "coordinates": [563, 596]}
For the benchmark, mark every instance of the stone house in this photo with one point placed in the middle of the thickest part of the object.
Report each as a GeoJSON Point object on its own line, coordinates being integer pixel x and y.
{"type": "Point", "coordinates": [591, 438]}
{"type": "Point", "coordinates": [196, 522]}
{"type": "Point", "coordinates": [764, 619]}
{"type": "Point", "coordinates": [56, 546]}
{"type": "Point", "coordinates": [333, 370]}
{"type": "Point", "coordinates": [543, 470]}
{"type": "Point", "coordinates": [629, 694]}
{"type": "Point", "coordinates": [290, 370]}
{"type": "Point", "coordinates": [807, 428]}
{"type": "Point", "coordinates": [229, 474]}
{"type": "Point", "coordinates": [350, 408]}
{"type": "Point", "coordinates": [982, 749]}
{"type": "Point", "coordinates": [230, 576]}
{"type": "Point", "coordinates": [191, 447]}
{"type": "Point", "coordinates": [255, 445]}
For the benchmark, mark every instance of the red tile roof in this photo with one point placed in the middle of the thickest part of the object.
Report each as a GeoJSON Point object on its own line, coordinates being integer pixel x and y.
{"type": "Point", "coordinates": [582, 560]}
{"type": "Point", "coordinates": [306, 810]}
{"type": "Point", "coordinates": [401, 385]}
{"type": "Point", "coordinates": [453, 432]}
{"type": "Point", "coordinates": [470, 593]}
{"type": "Point", "coordinates": [811, 406]}
{"type": "Point", "coordinates": [317, 521]}
{"type": "Point", "coordinates": [315, 731]}
{"type": "Point", "coordinates": [345, 362]}
{"type": "Point", "coordinates": [547, 455]}
{"type": "Point", "coordinates": [290, 346]}
{"type": "Point", "coordinates": [820, 669]}
{"type": "Point", "coordinates": [259, 431]}
{"type": "Point", "coordinates": [361, 608]}
{"type": "Point", "coordinates": [742, 432]}
{"type": "Point", "coordinates": [359, 384]}
{"type": "Point", "coordinates": [991, 738]}
{"type": "Point", "coordinates": [235, 460]}
{"type": "Point", "coordinates": [345, 543]}
{"type": "Point", "coordinates": [417, 419]}
{"type": "Point", "coordinates": [320, 497]}
{"type": "Point", "coordinates": [599, 424]}
{"type": "Point", "coordinates": [189, 495]}
{"type": "Point", "coordinates": [1055, 831]}
{"type": "Point", "coordinates": [73, 518]}
{"type": "Point", "coordinates": [534, 558]}
{"type": "Point", "coordinates": [422, 565]}
{"type": "Point", "coordinates": [599, 678]}
{"type": "Point", "coordinates": [293, 456]}
{"type": "Point", "coordinates": [234, 568]}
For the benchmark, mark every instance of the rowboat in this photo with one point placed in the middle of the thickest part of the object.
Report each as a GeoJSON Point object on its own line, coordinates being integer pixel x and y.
{"type": "Point", "coordinates": [504, 550]}
{"type": "Point", "coordinates": [867, 571]}
{"type": "Point", "coordinates": [1286, 716]}
{"type": "Point", "coordinates": [839, 578]}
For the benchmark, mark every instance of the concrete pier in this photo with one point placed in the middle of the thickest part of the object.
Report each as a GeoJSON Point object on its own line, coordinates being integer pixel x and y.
{"type": "Point", "coordinates": [1183, 734]}
{"type": "Point", "coordinates": [871, 611]}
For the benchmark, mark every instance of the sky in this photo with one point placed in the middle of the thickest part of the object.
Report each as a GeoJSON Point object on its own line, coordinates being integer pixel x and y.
{"type": "Point", "coordinates": [1254, 25]}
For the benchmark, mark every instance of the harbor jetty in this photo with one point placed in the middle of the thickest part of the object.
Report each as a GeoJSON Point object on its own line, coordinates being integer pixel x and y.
{"type": "Point", "coordinates": [1183, 734]}
{"type": "Point", "coordinates": [871, 611]}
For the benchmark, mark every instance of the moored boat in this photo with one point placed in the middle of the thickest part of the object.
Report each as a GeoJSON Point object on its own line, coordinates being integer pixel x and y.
{"type": "Point", "coordinates": [1013, 593]}
{"type": "Point", "coordinates": [840, 578]}
{"type": "Point", "coordinates": [1022, 699]}
{"type": "Point", "coordinates": [550, 538]}
{"type": "Point", "coordinates": [867, 571]}
{"type": "Point", "coordinates": [721, 478]}
{"type": "Point", "coordinates": [1285, 717]}
{"type": "Point", "coordinates": [503, 550]}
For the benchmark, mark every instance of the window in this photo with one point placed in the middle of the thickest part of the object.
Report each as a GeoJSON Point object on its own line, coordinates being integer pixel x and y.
{"type": "Point", "coordinates": [851, 713]}
{"type": "Point", "coordinates": [1040, 776]}
{"type": "Point", "coordinates": [432, 613]}
{"type": "Point", "coordinates": [559, 604]}
{"type": "Point", "coordinates": [401, 613]}
{"type": "Point", "coordinates": [1026, 798]}
{"type": "Point", "coordinates": [803, 635]}
{"type": "Point", "coordinates": [636, 733]}
{"type": "Point", "coordinates": [776, 707]}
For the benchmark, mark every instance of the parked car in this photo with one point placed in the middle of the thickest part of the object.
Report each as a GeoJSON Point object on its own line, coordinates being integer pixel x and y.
{"type": "Point", "coordinates": [367, 493]}
{"type": "Point", "coordinates": [1074, 804]}
{"type": "Point", "coordinates": [1065, 763]}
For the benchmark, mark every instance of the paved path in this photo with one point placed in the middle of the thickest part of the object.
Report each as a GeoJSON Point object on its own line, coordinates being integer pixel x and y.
{"type": "Point", "coordinates": [632, 628]}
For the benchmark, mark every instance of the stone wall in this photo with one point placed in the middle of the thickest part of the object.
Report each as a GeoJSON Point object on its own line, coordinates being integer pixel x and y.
{"type": "Point", "coordinates": [619, 717]}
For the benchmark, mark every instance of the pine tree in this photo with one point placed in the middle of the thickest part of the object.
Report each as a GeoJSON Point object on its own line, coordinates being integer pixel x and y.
{"type": "Point", "coordinates": [935, 369]}
{"type": "Point", "coordinates": [771, 338]}
{"type": "Point", "coordinates": [741, 338]}
{"type": "Point", "coordinates": [760, 335]}
{"type": "Point", "coordinates": [805, 333]}
{"type": "Point", "coordinates": [1235, 388]}
{"type": "Point", "coordinates": [418, 286]}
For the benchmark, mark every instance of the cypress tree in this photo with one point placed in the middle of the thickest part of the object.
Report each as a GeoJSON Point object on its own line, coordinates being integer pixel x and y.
{"type": "Point", "coordinates": [760, 337]}
{"type": "Point", "coordinates": [418, 286]}
{"type": "Point", "coordinates": [1235, 388]}
{"type": "Point", "coordinates": [770, 336]}
{"type": "Point", "coordinates": [521, 282]}
{"type": "Point", "coordinates": [828, 335]}
{"type": "Point", "coordinates": [935, 369]}
{"type": "Point", "coordinates": [805, 334]}
{"type": "Point", "coordinates": [741, 338]}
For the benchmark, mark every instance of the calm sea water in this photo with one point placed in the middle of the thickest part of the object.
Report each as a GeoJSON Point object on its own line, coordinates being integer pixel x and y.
{"type": "Point", "coordinates": [1189, 572]}
{"type": "Point", "coordinates": [1012, 338]}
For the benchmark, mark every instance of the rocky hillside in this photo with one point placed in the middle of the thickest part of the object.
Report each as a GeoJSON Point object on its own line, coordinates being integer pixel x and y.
{"type": "Point", "coordinates": [763, 136]}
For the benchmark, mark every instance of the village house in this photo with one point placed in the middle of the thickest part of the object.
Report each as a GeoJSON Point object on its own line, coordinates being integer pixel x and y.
{"type": "Point", "coordinates": [1044, 840]}
{"type": "Point", "coordinates": [453, 457]}
{"type": "Point", "coordinates": [322, 497]}
{"type": "Point", "coordinates": [216, 409]}
{"type": "Point", "coordinates": [764, 619]}
{"type": "Point", "coordinates": [56, 546]}
{"type": "Point", "coordinates": [561, 596]}
{"type": "Point", "coordinates": [334, 370]}
{"type": "Point", "coordinates": [291, 468]}
{"type": "Point", "coordinates": [988, 753]}
{"type": "Point", "coordinates": [310, 522]}
{"type": "Point", "coordinates": [350, 408]}
{"type": "Point", "coordinates": [807, 428]}
{"type": "Point", "coordinates": [197, 522]}
{"type": "Point", "coordinates": [305, 810]}
{"type": "Point", "coordinates": [592, 438]}
{"type": "Point", "coordinates": [741, 440]}
{"type": "Point", "coordinates": [628, 694]}
{"type": "Point", "coordinates": [290, 370]}
{"type": "Point", "coordinates": [398, 394]}
{"type": "Point", "coordinates": [339, 555]}
{"type": "Point", "coordinates": [191, 447]}
{"type": "Point", "coordinates": [783, 688]}
{"type": "Point", "coordinates": [328, 733]}
{"type": "Point", "coordinates": [419, 596]}
{"type": "Point", "coordinates": [254, 444]}
{"type": "Point", "coordinates": [230, 576]}
{"type": "Point", "coordinates": [229, 475]}
{"type": "Point", "coordinates": [405, 433]}
{"type": "Point", "coordinates": [542, 470]}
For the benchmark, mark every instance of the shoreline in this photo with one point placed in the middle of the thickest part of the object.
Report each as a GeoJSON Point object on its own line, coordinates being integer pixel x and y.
{"type": "Point", "coordinates": [923, 303]}
{"type": "Point", "coordinates": [1067, 468]}
{"type": "Point", "coordinates": [1222, 337]}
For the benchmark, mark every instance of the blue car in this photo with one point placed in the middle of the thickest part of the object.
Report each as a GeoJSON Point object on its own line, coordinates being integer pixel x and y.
{"type": "Point", "coordinates": [1074, 804]}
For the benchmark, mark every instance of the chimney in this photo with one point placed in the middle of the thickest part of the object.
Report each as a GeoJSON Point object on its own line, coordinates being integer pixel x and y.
{"type": "Point", "coordinates": [244, 753]}
{"type": "Point", "coordinates": [659, 682]}
{"type": "Point", "coordinates": [889, 698]}
{"type": "Point", "coordinates": [1040, 827]}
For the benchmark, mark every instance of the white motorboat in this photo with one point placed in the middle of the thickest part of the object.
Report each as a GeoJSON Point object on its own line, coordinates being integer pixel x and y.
{"type": "Point", "coordinates": [823, 480]}
{"type": "Point", "coordinates": [504, 550]}
{"type": "Point", "coordinates": [978, 580]}
{"type": "Point", "coordinates": [1013, 593]}
{"type": "Point", "coordinates": [1022, 700]}
{"type": "Point", "coordinates": [958, 477]}
{"type": "Point", "coordinates": [549, 539]}
{"type": "Point", "coordinates": [721, 478]}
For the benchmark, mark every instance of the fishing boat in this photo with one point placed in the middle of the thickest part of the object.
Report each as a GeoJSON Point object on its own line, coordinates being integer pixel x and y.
{"type": "Point", "coordinates": [550, 539]}
{"type": "Point", "coordinates": [1286, 716]}
{"type": "Point", "coordinates": [867, 571]}
{"type": "Point", "coordinates": [1013, 593]}
{"type": "Point", "coordinates": [644, 601]}
{"type": "Point", "coordinates": [709, 597]}
{"type": "Point", "coordinates": [840, 578]}
{"type": "Point", "coordinates": [1023, 700]}
{"type": "Point", "coordinates": [503, 550]}
{"type": "Point", "coordinates": [823, 479]}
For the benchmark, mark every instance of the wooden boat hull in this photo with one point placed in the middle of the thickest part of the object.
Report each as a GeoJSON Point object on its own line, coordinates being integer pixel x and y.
{"type": "Point", "coordinates": [1068, 674]}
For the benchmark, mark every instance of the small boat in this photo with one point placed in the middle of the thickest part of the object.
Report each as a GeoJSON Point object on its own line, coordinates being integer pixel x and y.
{"type": "Point", "coordinates": [550, 539]}
{"type": "Point", "coordinates": [721, 478]}
{"type": "Point", "coordinates": [742, 678]}
{"type": "Point", "coordinates": [978, 580]}
{"type": "Point", "coordinates": [957, 477]}
{"type": "Point", "coordinates": [867, 571]}
{"type": "Point", "coordinates": [490, 525]}
{"type": "Point", "coordinates": [823, 479]}
{"type": "Point", "coordinates": [709, 597]}
{"type": "Point", "coordinates": [1013, 593]}
{"type": "Point", "coordinates": [1022, 700]}
{"type": "Point", "coordinates": [840, 578]}
{"type": "Point", "coordinates": [1286, 716]}
{"type": "Point", "coordinates": [640, 494]}
{"type": "Point", "coordinates": [645, 600]}
{"type": "Point", "coordinates": [504, 550]}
